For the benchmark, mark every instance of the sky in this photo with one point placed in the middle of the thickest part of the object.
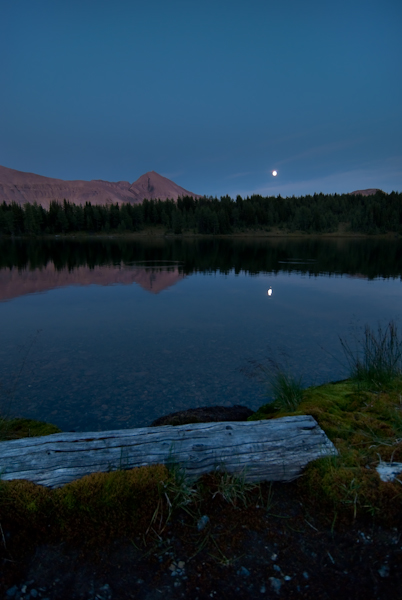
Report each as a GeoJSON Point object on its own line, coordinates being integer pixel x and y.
{"type": "Point", "coordinates": [214, 95]}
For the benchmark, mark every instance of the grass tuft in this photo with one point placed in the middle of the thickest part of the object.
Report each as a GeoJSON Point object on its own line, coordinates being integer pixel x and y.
{"type": "Point", "coordinates": [287, 390]}
{"type": "Point", "coordinates": [377, 358]}
{"type": "Point", "coordinates": [234, 489]}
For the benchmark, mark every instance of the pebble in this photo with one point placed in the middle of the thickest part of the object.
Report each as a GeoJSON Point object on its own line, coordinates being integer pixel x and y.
{"type": "Point", "coordinates": [276, 584]}
{"type": "Point", "coordinates": [384, 571]}
{"type": "Point", "coordinates": [12, 591]}
{"type": "Point", "coordinates": [243, 572]}
{"type": "Point", "coordinates": [202, 522]}
{"type": "Point", "coordinates": [306, 575]}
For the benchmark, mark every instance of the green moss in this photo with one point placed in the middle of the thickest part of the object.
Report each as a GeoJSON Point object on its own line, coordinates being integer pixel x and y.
{"type": "Point", "coordinates": [12, 429]}
{"type": "Point", "coordinates": [364, 425]}
{"type": "Point", "coordinates": [90, 509]}
{"type": "Point", "coordinates": [366, 428]}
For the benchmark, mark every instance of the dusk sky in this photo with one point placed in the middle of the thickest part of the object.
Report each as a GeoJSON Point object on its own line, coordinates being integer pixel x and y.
{"type": "Point", "coordinates": [213, 95]}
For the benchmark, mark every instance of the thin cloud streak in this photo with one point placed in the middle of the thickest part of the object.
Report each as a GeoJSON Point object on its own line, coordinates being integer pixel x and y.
{"type": "Point", "coordinates": [237, 175]}
{"type": "Point", "coordinates": [322, 149]}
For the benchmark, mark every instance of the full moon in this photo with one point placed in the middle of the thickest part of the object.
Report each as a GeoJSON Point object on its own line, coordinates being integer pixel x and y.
{"type": "Point", "coordinates": [274, 173]}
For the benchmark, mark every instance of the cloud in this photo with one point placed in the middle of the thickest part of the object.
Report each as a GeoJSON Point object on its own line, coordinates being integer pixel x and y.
{"type": "Point", "coordinates": [321, 150]}
{"type": "Point", "coordinates": [236, 175]}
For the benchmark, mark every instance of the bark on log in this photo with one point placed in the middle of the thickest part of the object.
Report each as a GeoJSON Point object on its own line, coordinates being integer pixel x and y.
{"type": "Point", "coordinates": [273, 450]}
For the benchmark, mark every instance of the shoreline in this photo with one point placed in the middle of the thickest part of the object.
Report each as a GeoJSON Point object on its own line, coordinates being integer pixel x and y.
{"type": "Point", "coordinates": [332, 532]}
{"type": "Point", "coordinates": [151, 233]}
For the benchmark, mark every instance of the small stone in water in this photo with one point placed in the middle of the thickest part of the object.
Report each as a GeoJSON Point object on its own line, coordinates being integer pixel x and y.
{"type": "Point", "coordinates": [203, 522]}
{"type": "Point", "coordinates": [275, 584]}
{"type": "Point", "coordinates": [384, 571]}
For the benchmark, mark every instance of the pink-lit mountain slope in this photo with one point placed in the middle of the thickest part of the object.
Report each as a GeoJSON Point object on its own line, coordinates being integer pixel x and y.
{"type": "Point", "coordinates": [21, 187]}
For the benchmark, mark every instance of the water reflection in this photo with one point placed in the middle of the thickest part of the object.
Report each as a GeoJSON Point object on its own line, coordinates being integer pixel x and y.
{"type": "Point", "coordinates": [136, 329]}
{"type": "Point", "coordinates": [369, 258]}
{"type": "Point", "coordinates": [19, 282]}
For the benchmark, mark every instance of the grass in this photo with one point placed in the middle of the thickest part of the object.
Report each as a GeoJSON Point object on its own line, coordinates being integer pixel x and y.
{"type": "Point", "coordinates": [363, 421]}
{"type": "Point", "coordinates": [366, 428]}
{"type": "Point", "coordinates": [376, 360]}
{"type": "Point", "coordinates": [362, 416]}
{"type": "Point", "coordinates": [287, 390]}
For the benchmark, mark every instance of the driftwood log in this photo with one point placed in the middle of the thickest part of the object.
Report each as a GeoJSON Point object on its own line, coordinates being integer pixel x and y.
{"type": "Point", "coordinates": [273, 450]}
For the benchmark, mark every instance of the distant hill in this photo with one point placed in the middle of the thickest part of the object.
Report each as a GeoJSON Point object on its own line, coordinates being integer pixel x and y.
{"type": "Point", "coordinates": [21, 187]}
{"type": "Point", "coordinates": [369, 192]}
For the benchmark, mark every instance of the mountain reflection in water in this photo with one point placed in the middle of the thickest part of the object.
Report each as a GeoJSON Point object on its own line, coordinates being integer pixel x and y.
{"type": "Point", "coordinates": [121, 344]}
{"type": "Point", "coordinates": [14, 282]}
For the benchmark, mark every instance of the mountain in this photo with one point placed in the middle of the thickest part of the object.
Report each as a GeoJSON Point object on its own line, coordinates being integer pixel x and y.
{"type": "Point", "coordinates": [369, 192]}
{"type": "Point", "coordinates": [21, 187]}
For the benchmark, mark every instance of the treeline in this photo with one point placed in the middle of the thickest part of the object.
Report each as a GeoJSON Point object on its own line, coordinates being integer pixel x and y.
{"type": "Point", "coordinates": [379, 213]}
{"type": "Point", "coordinates": [362, 257]}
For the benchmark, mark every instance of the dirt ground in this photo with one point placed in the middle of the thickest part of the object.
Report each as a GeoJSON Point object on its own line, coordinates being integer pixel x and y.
{"type": "Point", "coordinates": [279, 550]}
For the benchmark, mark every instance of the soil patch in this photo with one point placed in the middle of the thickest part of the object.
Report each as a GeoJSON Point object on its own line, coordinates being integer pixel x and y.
{"type": "Point", "coordinates": [272, 548]}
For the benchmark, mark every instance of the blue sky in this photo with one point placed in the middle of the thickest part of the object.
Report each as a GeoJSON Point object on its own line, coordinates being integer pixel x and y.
{"type": "Point", "coordinates": [212, 94]}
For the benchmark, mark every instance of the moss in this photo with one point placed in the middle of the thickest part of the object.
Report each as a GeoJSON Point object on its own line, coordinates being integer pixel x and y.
{"type": "Point", "coordinates": [90, 509]}
{"type": "Point", "coordinates": [366, 427]}
{"type": "Point", "coordinates": [12, 429]}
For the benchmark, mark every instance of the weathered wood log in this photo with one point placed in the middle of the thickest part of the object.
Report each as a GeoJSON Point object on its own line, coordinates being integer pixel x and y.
{"type": "Point", "coordinates": [273, 450]}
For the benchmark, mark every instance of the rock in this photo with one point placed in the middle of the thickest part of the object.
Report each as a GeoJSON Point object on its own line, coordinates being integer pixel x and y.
{"type": "Point", "coordinates": [384, 571]}
{"type": "Point", "coordinates": [12, 591]}
{"type": "Point", "coordinates": [205, 414]}
{"type": "Point", "coordinates": [276, 584]}
{"type": "Point", "coordinates": [202, 522]}
{"type": "Point", "coordinates": [389, 471]}
{"type": "Point", "coordinates": [243, 572]}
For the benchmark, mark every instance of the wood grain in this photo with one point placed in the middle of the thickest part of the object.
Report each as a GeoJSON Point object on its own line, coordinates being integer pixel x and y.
{"type": "Point", "coordinates": [273, 450]}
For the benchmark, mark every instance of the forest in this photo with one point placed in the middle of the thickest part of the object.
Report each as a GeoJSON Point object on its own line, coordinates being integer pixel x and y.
{"type": "Point", "coordinates": [321, 213]}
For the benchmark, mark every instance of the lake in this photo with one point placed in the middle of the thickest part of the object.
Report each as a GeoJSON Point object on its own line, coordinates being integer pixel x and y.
{"type": "Point", "coordinates": [113, 333]}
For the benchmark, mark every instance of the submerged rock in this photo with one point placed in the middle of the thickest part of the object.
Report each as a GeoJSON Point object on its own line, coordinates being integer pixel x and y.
{"type": "Point", "coordinates": [205, 414]}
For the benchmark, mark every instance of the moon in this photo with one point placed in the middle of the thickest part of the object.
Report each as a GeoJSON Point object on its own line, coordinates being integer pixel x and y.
{"type": "Point", "coordinates": [274, 173]}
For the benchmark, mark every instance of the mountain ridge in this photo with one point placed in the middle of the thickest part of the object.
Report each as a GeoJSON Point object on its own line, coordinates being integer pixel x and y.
{"type": "Point", "coordinates": [23, 187]}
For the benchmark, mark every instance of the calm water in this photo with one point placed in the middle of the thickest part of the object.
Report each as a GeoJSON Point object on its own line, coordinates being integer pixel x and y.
{"type": "Point", "coordinates": [113, 334]}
